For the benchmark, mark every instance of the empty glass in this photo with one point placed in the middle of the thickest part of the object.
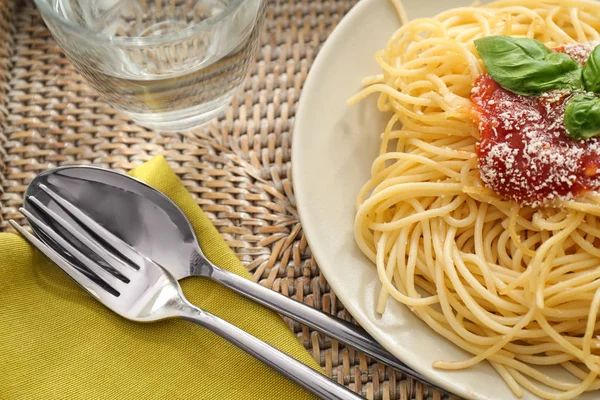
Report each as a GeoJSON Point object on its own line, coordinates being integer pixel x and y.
{"type": "Point", "coordinates": [170, 64]}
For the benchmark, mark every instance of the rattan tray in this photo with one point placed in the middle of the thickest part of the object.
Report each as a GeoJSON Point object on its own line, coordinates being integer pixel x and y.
{"type": "Point", "coordinates": [238, 168]}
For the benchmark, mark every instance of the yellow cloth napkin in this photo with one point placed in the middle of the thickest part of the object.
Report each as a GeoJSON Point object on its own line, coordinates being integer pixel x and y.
{"type": "Point", "coordinates": [56, 342]}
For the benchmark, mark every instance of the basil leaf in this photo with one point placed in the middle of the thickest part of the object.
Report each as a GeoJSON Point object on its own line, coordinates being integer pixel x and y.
{"type": "Point", "coordinates": [525, 66]}
{"type": "Point", "coordinates": [591, 71]}
{"type": "Point", "coordinates": [582, 116]}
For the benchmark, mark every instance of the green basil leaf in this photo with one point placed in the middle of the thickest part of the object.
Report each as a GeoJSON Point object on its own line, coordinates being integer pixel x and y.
{"type": "Point", "coordinates": [591, 71]}
{"type": "Point", "coordinates": [525, 66]}
{"type": "Point", "coordinates": [582, 116]}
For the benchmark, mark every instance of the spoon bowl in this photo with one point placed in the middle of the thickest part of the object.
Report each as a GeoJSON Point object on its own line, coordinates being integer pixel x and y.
{"type": "Point", "coordinates": [135, 212]}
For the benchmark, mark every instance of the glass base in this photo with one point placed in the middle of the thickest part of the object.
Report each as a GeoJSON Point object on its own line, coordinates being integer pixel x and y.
{"type": "Point", "coordinates": [182, 120]}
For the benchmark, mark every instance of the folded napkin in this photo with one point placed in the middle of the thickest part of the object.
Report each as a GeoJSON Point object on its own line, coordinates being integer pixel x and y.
{"type": "Point", "coordinates": [57, 342]}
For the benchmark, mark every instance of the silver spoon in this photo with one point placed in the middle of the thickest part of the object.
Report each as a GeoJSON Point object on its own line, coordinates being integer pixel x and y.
{"type": "Point", "coordinates": [151, 223]}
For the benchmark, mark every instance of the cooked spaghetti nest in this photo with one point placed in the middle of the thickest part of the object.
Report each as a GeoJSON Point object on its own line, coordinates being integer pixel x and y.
{"type": "Point", "coordinates": [516, 286]}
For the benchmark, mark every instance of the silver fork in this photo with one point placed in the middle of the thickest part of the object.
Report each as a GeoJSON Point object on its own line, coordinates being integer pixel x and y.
{"type": "Point", "coordinates": [143, 291]}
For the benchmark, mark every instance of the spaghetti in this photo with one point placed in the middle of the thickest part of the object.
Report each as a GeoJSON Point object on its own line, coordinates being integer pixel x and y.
{"type": "Point", "coordinates": [517, 285]}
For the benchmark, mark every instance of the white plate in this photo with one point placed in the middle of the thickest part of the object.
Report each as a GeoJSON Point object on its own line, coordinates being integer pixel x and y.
{"type": "Point", "coordinates": [333, 147]}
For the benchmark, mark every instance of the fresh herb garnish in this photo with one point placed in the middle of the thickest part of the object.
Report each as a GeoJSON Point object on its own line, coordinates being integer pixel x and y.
{"type": "Point", "coordinates": [582, 116]}
{"type": "Point", "coordinates": [527, 67]}
{"type": "Point", "coordinates": [591, 71]}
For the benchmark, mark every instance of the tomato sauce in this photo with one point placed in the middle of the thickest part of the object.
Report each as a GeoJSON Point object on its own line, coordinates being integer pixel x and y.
{"type": "Point", "coordinates": [524, 153]}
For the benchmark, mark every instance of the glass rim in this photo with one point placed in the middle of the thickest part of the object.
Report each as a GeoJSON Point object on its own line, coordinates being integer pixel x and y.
{"type": "Point", "coordinates": [48, 12]}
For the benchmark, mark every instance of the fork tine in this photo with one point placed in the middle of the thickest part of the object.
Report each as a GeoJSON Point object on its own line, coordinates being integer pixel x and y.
{"type": "Point", "coordinates": [97, 269]}
{"type": "Point", "coordinates": [84, 281]}
{"type": "Point", "coordinates": [118, 265]}
{"type": "Point", "coordinates": [125, 250]}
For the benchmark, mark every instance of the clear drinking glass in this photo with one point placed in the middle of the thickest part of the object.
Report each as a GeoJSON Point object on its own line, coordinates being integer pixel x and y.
{"type": "Point", "coordinates": [170, 64]}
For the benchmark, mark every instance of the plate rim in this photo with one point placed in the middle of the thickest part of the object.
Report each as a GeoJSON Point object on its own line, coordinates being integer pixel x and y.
{"type": "Point", "coordinates": [357, 314]}
{"type": "Point", "coordinates": [329, 44]}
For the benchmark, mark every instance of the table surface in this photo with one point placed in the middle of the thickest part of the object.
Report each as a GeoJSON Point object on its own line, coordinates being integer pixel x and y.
{"type": "Point", "coordinates": [238, 168]}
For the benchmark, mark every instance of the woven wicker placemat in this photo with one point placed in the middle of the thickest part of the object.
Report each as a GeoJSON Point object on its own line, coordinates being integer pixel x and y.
{"type": "Point", "coordinates": [238, 168]}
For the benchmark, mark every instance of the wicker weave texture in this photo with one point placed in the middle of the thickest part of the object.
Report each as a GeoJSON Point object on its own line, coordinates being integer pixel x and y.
{"type": "Point", "coordinates": [238, 168]}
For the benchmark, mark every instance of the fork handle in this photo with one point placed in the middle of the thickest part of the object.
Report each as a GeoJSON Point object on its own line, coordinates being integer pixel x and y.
{"type": "Point", "coordinates": [327, 324]}
{"type": "Point", "coordinates": [298, 372]}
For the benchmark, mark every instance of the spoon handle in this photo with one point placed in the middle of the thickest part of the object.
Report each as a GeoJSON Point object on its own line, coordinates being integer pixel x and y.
{"type": "Point", "coordinates": [327, 324]}
{"type": "Point", "coordinates": [298, 372]}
